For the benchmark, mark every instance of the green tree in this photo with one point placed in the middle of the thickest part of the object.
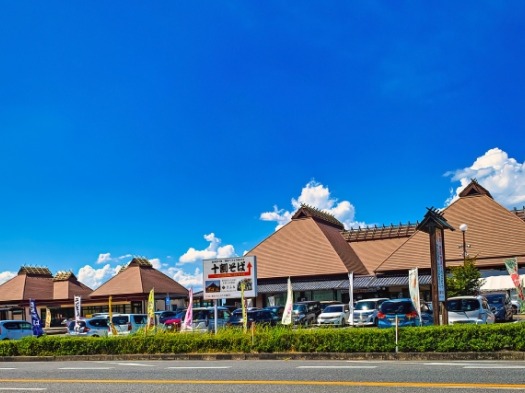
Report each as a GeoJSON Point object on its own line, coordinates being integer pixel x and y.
{"type": "Point", "coordinates": [464, 280]}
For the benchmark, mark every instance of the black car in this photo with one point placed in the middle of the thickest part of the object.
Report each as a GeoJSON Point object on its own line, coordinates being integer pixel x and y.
{"type": "Point", "coordinates": [500, 305]}
{"type": "Point", "coordinates": [259, 317]}
{"type": "Point", "coordinates": [306, 313]}
{"type": "Point", "coordinates": [279, 310]}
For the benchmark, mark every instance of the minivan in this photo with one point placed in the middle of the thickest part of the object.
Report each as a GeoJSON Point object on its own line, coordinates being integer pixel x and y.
{"type": "Point", "coordinates": [91, 327]}
{"type": "Point", "coordinates": [365, 312]}
{"type": "Point", "coordinates": [127, 323]}
{"type": "Point", "coordinates": [405, 312]}
{"type": "Point", "coordinates": [203, 318]}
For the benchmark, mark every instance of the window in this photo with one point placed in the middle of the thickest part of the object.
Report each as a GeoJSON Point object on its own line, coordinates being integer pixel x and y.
{"type": "Point", "coordinates": [140, 319]}
{"type": "Point", "coordinates": [462, 305]}
{"type": "Point", "coordinates": [99, 322]}
{"type": "Point", "coordinates": [120, 320]}
{"type": "Point", "coordinates": [25, 325]}
{"type": "Point", "coordinates": [330, 309]}
{"type": "Point", "coordinates": [397, 308]}
{"type": "Point", "coordinates": [11, 325]}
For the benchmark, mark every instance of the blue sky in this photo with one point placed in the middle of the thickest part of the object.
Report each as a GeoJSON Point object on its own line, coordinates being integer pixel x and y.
{"type": "Point", "coordinates": [169, 129]}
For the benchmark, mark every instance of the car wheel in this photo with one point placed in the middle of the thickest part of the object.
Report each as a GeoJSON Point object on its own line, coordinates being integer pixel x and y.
{"type": "Point", "coordinates": [376, 322]}
{"type": "Point", "coordinates": [95, 335]}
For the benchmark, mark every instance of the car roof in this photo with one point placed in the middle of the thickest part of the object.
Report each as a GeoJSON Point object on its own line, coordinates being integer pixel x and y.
{"type": "Point", "coordinates": [374, 299]}
{"type": "Point", "coordinates": [14, 320]}
{"type": "Point", "coordinates": [399, 300]}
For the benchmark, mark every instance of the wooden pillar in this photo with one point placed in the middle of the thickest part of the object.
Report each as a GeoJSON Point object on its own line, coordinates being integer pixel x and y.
{"type": "Point", "coordinates": [434, 273]}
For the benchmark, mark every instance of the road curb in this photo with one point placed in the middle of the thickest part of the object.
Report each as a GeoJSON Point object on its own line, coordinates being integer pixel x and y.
{"type": "Point", "coordinates": [402, 356]}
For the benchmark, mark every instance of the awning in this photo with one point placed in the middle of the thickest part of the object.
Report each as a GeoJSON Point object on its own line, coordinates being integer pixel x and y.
{"type": "Point", "coordinates": [359, 282]}
{"type": "Point", "coordinates": [300, 286]}
{"type": "Point", "coordinates": [498, 283]}
{"type": "Point", "coordinates": [398, 281]}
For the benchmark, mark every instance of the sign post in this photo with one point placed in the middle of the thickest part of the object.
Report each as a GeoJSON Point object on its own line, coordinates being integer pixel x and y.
{"type": "Point", "coordinates": [223, 279]}
{"type": "Point", "coordinates": [434, 224]}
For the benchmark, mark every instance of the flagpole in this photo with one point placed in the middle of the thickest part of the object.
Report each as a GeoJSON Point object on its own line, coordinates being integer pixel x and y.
{"type": "Point", "coordinates": [351, 294]}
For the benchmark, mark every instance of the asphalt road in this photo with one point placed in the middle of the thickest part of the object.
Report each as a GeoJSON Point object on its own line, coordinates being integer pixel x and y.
{"type": "Point", "coordinates": [262, 376]}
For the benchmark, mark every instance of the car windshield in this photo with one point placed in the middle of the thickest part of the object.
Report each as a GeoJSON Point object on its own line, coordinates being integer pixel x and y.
{"type": "Point", "coordinates": [495, 299]}
{"type": "Point", "coordinates": [397, 308]}
{"type": "Point", "coordinates": [333, 309]}
{"type": "Point", "coordinates": [299, 308]}
{"type": "Point", "coordinates": [180, 315]}
{"type": "Point", "coordinates": [365, 306]}
{"type": "Point", "coordinates": [462, 305]}
{"type": "Point", "coordinates": [200, 315]}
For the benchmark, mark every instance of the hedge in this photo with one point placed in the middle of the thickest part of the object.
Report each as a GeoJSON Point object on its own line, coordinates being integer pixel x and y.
{"type": "Point", "coordinates": [458, 338]}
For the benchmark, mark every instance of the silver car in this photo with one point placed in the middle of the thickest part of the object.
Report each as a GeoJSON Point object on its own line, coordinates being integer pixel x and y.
{"type": "Point", "coordinates": [92, 327]}
{"type": "Point", "coordinates": [469, 309]}
{"type": "Point", "coordinates": [365, 312]}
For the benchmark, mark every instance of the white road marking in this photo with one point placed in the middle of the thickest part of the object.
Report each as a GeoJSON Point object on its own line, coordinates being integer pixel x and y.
{"type": "Point", "coordinates": [181, 367]}
{"type": "Point", "coordinates": [494, 367]}
{"type": "Point", "coordinates": [135, 364]}
{"type": "Point", "coordinates": [453, 364]}
{"type": "Point", "coordinates": [337, 367]}
{"type": "Point", "coordinates": [24, 389]}
{"type": "Point", "coordinates": [86, 368]}
{"type": "Point", "coordinates": [7, 368]}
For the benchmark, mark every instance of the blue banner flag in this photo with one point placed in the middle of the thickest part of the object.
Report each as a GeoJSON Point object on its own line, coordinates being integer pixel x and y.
{"type": "Point", "coordinates": [35, 319]}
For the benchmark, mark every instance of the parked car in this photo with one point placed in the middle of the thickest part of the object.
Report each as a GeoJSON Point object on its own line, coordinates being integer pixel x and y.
{"type": "Point", "coordinates": [91, 327]}
{"type": "Point", "coordinates": [500, 305]}
{"type": "Point", "coordinates": [325, 303]}
{"type": "Point", "coordinates": [515, 306]}
{"type": "Point", "coordinates": [127, 323]}
{"type": "Point", "coordinates": [405, 312]}
{"type": "Point", "coordinates": [334, 314]}
{"type": "Point", "coordinates": [259, 317]}
{"type": "Point", "coordinates": [15, 330]}
{"type": "Point", "coordinates": [163, 316]}
{"type": "Point", "coordinates": [175, 322]}
{"type": "Point", "coordinates": [204, 318]}
{"type": "Point", "coordinates": [306, 313]}
{"type": "Point", "coordinates": [365, 312]}
{"type": "Point", "coordinates": [279, 310]}
{"type": "Point", "coordinates": [469, 309]}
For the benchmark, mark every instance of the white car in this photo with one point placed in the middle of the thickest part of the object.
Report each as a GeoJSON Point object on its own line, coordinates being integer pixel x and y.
{"type": "Point", "coordinates": [335, 314]}
{"type": "Point", "coordinates": [469, 309]}
{"type": "Point", "coordinates": [365, 312]}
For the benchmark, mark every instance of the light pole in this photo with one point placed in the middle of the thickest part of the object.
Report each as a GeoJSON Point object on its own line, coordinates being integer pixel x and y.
{"type": "Point", "coordinates": [463, 228]}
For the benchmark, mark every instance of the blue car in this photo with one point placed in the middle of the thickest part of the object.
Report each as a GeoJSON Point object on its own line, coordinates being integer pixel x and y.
{"type": "Point", "coordinates": [405, 312]}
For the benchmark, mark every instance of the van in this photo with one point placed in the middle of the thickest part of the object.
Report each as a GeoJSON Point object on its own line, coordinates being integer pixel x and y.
{"type": "Point", "coordinates": [203, 318]}
{"type": "Point", "coordinates": [127, 323]}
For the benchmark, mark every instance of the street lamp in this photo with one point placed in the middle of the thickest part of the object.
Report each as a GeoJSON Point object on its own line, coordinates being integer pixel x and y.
{"type": "Point", "coordinates": [463, 228]}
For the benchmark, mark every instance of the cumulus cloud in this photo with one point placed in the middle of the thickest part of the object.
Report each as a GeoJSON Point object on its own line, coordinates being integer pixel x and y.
{"type": "Point", "coordinates": [94, 278]}
{"type": "Point", "coordinates": [504, 177]}
{"type": "Point", "coordinates": [107, 258]}
{"type": "Point", "coordinates": [214, 250]}
{"type": "Point", "coordinates": [6, 276]}
{"type": "Point", "coordinates": [185, 279]}
{"type": "Point", "coordinates": [316, 195]}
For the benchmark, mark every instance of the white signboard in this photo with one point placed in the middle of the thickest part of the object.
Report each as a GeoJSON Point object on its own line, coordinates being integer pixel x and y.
{"type": "Point", "coordinates": [440, 269]}
{"type": "Point", "coordinates": [223, 277]}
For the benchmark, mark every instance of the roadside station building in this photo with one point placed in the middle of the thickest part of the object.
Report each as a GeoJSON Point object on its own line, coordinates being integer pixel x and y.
{"type": "Point", "coordinates": [317, 253]}
{"type": "Point", "coordinates": [129, 289]}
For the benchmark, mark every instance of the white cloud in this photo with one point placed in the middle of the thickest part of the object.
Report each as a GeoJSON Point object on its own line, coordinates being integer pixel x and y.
{"type": "Point", "coordinates": [102, 258]}
{"type": "Point", "coordinates": [156, 263]}
{"type": "Point", "coordinates": [212, 251]}
{"type": "Point", "coordinates": [316, 195]}
{"type": "Point", "coordinates": [94, 278]}
{"type": "Point", "coordinates": [6, 276]}
{"type": "Point", "coordinates": [502, 176]}
{"type": "Point", "coordinates": [107, 258]}
{"type": "Point", "coordinates": [186, 279]}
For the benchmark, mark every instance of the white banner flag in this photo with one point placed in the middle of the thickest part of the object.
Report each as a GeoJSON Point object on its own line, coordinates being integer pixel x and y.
{"type": "Point", "coordinates": [413, 286]}
{"type": "Point", "coordinates": [351, 294]}
{"type": "Point", "coordinates": [287, 315]}
{"type": "Point", "coordinates": [78, 312]}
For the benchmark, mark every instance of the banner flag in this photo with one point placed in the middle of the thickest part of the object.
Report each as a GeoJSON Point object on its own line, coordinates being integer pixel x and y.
{"type": "Point", "coordinates": [78, 312]}
{"type": "Point", "coordinates": [512, 268]}
{"type": "Point", "coordinates": [48, 318]}
{"type": "Point", "coordinates": [151, 309]}
{"type": "Point", "coordinates": [413, 286]}
{"type": "Point", "coordinates": [36, 323]}
{"type": "Point", "coordinates": [244, 314]}
{"type": "Point", "coordinates": [188, 319]}
{"type": "Point", "coordinates": [351, 293]}
{"type": "Point", "coordinates": [110, 315]}
{"type": "Point", "coordinates": [287, 314]}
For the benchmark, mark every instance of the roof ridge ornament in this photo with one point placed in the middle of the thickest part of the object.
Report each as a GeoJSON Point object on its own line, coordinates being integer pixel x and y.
{"type": "Point", "coordinates": [317, 213]}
